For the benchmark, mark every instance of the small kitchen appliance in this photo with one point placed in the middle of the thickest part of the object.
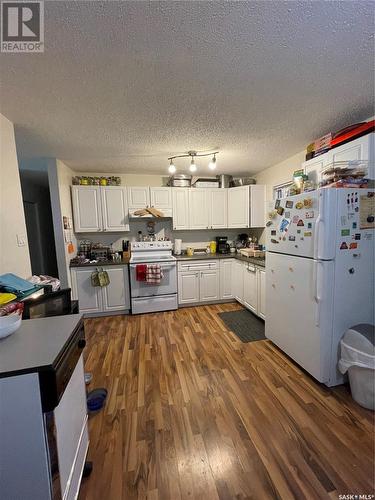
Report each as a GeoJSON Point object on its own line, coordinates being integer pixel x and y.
{"type": "Point", "coordinates": [222, 245]}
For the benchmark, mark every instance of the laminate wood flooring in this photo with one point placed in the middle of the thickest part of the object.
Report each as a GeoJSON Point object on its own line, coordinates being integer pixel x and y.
{"type": "Point", "coordinates": [193, 413]}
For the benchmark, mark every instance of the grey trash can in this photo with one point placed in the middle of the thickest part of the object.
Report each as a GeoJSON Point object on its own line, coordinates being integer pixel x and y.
{"type": "Point", "coordinates": [358, 359]}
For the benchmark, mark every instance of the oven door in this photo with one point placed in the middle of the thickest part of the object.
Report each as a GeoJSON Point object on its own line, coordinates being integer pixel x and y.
{"type": "Point", "coordinates": [168, 284]}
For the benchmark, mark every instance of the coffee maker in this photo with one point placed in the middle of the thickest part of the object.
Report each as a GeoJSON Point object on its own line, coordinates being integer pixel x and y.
{"type": "Point", "coordinates": [222, 245]}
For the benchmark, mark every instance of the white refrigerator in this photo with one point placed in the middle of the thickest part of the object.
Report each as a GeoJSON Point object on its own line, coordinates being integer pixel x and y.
{"type": "Point", "coordinates": [319, 274]}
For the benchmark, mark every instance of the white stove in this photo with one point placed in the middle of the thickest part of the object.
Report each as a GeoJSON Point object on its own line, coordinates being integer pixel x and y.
{"type": "Point", "coordinates": [147, 297]}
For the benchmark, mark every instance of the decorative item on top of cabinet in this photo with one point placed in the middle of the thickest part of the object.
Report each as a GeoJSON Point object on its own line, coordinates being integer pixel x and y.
{"type": "Point", "coordinates": [100, 208]}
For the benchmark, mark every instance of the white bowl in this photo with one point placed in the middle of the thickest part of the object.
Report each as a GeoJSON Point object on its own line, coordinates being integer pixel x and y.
{"type": "Point", "coordinates": [9, 324]}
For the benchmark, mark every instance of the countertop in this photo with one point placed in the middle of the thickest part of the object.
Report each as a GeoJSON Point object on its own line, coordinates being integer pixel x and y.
{"type": "Point", "coordinates": [36, 345]}
{"type": "Point", "coordinates": [102, 263]}
{"type": "Point", "coordinates": [258, 261]}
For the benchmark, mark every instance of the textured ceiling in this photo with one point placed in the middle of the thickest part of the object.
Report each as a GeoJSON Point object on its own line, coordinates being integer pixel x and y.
{"type": "Point", "coordinates": [123, 85]}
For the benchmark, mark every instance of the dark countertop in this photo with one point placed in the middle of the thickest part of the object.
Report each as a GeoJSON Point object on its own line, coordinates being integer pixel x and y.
{"type": "Point", "coordinates": [102, 263]}
{"type": "Point", "coordinates": [36, 344]}
{"type": "Point", "coordinates": [258, 261]}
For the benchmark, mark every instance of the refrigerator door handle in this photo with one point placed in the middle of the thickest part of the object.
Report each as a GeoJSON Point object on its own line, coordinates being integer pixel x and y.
{"type": "Point", "coordinates": [318, 223]}
{"type": "Point", "coordinates": [317, 290]}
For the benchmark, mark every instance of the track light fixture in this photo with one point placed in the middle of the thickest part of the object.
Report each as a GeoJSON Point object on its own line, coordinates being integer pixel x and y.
{"type": "Point", "coordinates": [192, 155]}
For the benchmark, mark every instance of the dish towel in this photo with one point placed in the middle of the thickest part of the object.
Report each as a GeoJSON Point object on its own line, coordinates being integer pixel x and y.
{"type": "Point", "coordinates": [140, 272]}
{"type": "Point", "coordinates": [154, 274]}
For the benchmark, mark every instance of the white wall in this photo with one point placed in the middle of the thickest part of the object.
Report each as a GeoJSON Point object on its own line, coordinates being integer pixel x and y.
{"type": "Point", "coordinates": [13, 258]}
{"type": "Point", "coordinates": [280, 173]}
{"type": "Point", "coordinates": [60, 180]}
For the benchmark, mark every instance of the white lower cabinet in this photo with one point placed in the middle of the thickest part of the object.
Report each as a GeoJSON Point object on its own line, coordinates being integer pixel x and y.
{"type": "Point", "coordinates": [96, 299]}
{"type": "Point", "coordinates": [198, 281]}
{"type": "Point", "coordinates": [188, 287]}
{"type": "Point", "coordinates": [226, 276]}
{"type": "Point", "coordinates": [250, 289]}
{"type": "Point", "coordinates": [237, 281]}
{"type": "Point", "coordinates": [209, 285]}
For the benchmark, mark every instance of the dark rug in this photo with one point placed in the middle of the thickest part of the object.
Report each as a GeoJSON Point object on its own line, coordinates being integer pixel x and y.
{"type": "Point", "coordinates": [244, 324]}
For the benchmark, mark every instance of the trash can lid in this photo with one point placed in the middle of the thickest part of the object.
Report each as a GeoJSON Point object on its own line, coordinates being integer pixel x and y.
{"type": "Point", "coordinates": [361, 337]}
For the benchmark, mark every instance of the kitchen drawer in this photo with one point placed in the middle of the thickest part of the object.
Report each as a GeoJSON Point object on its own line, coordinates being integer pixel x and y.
{"type": "Point", "coordinates": [198, 265]}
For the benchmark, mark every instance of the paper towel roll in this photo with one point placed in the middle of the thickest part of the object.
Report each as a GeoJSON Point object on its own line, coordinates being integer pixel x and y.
{"type": "Point", "coordinates": [177, 247]}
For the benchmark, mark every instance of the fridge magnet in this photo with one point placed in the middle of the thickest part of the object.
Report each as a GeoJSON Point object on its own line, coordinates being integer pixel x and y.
{"type": "Point", "coordinates": [352, 246]}
{"type": "Point", "coordinates": [280, 210]}
{"type": "Point", "coordinates": [295, 219]}
{"type": "Point", "coordinates": [309, 225]}
{"type": "Point", "coordinates": [284, 225]}
{"type": "Point", "coordinates": [277, 204]}
{"type": "Point", "coordinates": [357, 236]}
{"type": "Point", "coordinates": [289, 204]}
{"type": "Point", "coordinates": [354, 225]}
{"type": "Point", "coordinates": [345, 232]}
{"type": "Point", "coordinates": [308, 202]}
{"type": "Point", "coordinates": [269, 223]}
{"type": "Point", "coordinates": [274, 241]}
{"type": "Point", "coordinates": [300, 223]}
{"type": "Point", "coordinates": [292, 238]}
{"type": "Point", "coordinates": [284, 238]}
{"type": "Point", "coordinates": [273, 232]}
{"type": "Point", "coordinates": [302, 238]}
{"type": "Point", "coordinates": [299, 205]}
{"type": "Point", "coordinates": [343, 246]}
{"type": "Point", "coordinates": [367, 211]}
{"type": "Point", "coordinates": [309, 215]}
{"type": "Point", "coordinates": [307, 233]}
{"type": "Point", "coordinates": [287, 215]}
{"type": "Point", "coordinates": [298, 231]}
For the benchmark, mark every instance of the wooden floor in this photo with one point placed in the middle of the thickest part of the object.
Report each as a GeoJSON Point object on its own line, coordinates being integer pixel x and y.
{"type": "Point", "coordinates": [194, 413]}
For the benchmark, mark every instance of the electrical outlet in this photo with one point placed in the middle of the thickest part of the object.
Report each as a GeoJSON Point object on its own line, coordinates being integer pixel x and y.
{"type": "Point", "coordinates": [21, 240]}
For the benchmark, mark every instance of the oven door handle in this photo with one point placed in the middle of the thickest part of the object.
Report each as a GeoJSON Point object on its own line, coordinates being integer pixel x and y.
{"type": "Point", "coordinates": [162, 266]}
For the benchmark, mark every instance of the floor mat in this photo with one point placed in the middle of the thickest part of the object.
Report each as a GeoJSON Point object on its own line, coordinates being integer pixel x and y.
{"type": "Point", "coordinates": [244, 324]}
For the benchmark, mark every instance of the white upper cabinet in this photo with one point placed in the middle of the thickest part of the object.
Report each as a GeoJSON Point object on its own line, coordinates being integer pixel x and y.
{"type": "Point", "coordinates": [314, 166]}
{"type": "Point", "coordinates": [198, 208]}
{"type": "Point", "coordinates": [246, 206]}
{"type": "Point", "coordinates": [180, 199]}
{"type": "Point", "coordinates": [359, 149]}
{"type": "Point", "coordinates": [99, 208]}
{"type": "Point", "coordinates": [238, 207]}
{"type": "Point", "coordinates": [161, 198]}
{"type": "Point", "coordinates": [218, 208]}
{"type": "Point", "coordinates": [139, 197]}
{"type": "Point", "coordinates": [115, 208]}
{"type": "Point", "coordinates": [87, 209]}
{"type": "Point", "coordinates": [257, 205]}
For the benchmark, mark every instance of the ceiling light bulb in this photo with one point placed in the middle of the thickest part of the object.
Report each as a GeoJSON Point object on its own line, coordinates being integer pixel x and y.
{"type": "Point", "coordinates": [212, 164]}
{"type": "Point", "coordinates": [171, 168]}
{"type": "Point", "coordinates": [193, 166]}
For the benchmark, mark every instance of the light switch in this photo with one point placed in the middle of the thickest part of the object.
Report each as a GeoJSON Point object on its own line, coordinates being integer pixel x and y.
{"type": "Point", "coordinates": [21, 240]}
